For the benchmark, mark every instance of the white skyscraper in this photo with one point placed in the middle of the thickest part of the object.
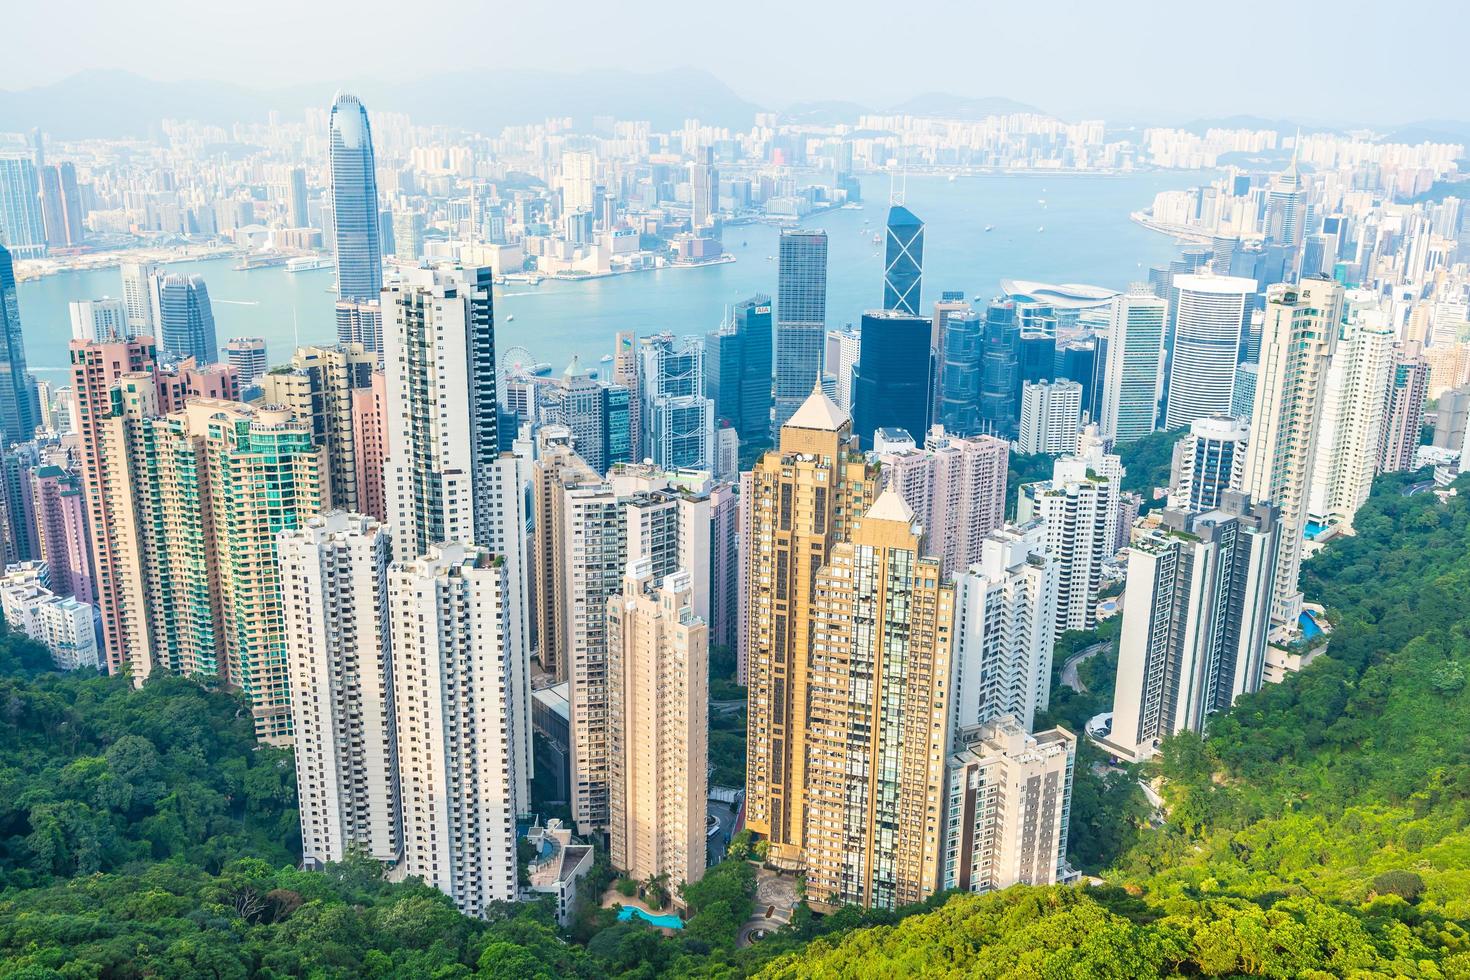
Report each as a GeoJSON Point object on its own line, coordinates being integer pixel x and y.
{"type": "Point", "coordinates": [1005, 608]}
{"type": "Point", "coordinates": [1207, 462]}
{"type": "Point", "coordinates": [1207, 331]}
{"type": "Point", "coordinates": [140, 297]}
{"type": "Point", "coordinates": [1134, 379]}
{"type": "Point", "coordinates": [1300, 335]}
{"type": "Point", "coordinates": [1354, 406]}
{"type": "Point", "coordinates": [454, 688]}
{"type": "Point", "coordinates": [101, 320]}
{"type": "Point", "coordinates": [843, 348]}
{"type": "Point", "coordinates": [1050, 415]}
{"type": "Point", "coordinates": [334, 584]}
{"type": "Point", "coordinates": [1195, 617]}
{"type": "Point", "coordinates": [1079, 510]}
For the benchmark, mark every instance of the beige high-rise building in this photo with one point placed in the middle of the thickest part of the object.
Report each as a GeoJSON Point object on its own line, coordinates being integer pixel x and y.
{"type": "Point", "coordinates": [334, 581]}
{"type": "Point", "coordinates": [557, 466]}
{"type": "Point", "coordinates": [804, 498]}
{"type": "Point", "coordinates": [1299, 337]}
{"type": "Point", "coordinates": [456, 667]}
{"type": "Point", "coordinates": [319, 389]}
{"type": "Point", "coordinates": [658, 726]}
{"type": "Point", "coordinates": [1008, 799]}
{"type": "Point", "coordinates": [370, 438]}
{"type": "Point", "coordinates": [877, 724]}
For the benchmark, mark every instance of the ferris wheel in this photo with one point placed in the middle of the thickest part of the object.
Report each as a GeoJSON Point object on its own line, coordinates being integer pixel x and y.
{"type": "Point", "coordinates": [514, 363]}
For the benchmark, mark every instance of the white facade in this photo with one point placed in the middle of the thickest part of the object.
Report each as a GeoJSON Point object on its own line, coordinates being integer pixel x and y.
{"type": "Point", "coordinates": [140, 297]}
{"type": "Point", "coordinates": [844, 348]}
{"type": "Point", "coordinates": [1051, 413]}
{"type": "Point", "coordinates": [454, 683]}
{"type": "Point", "coordinates": [1354, 410]}
{"type": "Point", "coordinates": [1300, 335]}
{"type": "Point", "coordinates": [1005, 608]}
{"type": "Point", "coordinates": [1195, 618]}
{"type": "Point", "coordinates": [1134, 379]}
{"type": "Point", "coordinates": [334, 584]}
{"type": "Point", "coordinates": [1207, 462]}
{"type": "Point", "coordinates": [658, 731]}
{"type": "Point", "coordinates": [60, 624]}
{"type": "Point", "coordinates": [1207, 329]}
{"type": "Point", "coordinates": [101, 320]}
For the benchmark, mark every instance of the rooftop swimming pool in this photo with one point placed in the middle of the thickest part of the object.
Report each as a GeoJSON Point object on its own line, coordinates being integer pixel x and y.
{"type": "Point", "coordinates": [1310, 629]}
{"type": "Point", "coordinates": [662, 921]}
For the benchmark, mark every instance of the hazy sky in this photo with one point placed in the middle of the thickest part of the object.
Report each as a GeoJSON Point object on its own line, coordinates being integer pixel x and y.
{"type": "Point", "coordinates": [1331, 60]}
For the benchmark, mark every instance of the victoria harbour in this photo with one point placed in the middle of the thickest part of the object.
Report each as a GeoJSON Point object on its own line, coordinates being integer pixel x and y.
{"type": "Point", "coordinates": [1050, 228]}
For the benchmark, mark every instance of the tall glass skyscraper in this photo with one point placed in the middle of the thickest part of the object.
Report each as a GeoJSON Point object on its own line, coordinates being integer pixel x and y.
{"type": "Point", "coordinates": [737, 374]}
{"type": "Point", "coordinates": [904, 262]}
{"type": "Point", "coordinates": [18, 409]}
{"type": "Point", "coordinates": [1000, 371]}
{"type": "Point", "coordinates": [801, 319]}
{"type": "Point", "coordinates": [354, 202]}
{"type": "Point", "coordinates": [959, 374]}
{"type": "Point", "coordinates": [21, 227]}
{"type": "Point", "coordinates": [186, 319]}
{"type": "Point", "coordinates": [890, 386]}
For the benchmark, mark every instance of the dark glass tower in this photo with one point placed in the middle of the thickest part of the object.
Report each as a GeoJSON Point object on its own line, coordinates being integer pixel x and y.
{"type": "Point", "coordinates": [738, 370]}
{"type": "Point", "coordinates": [1000, 371]}
{"type": "Point", "coordinates": [959, 374]}
{"type": "Point", "coordinates": [187, 319]}
{"type": "Point", "coordinates": [354, 202]}
{"type": "Point", "coordinates": [801, 319]}
{"type": "Point", "coordinates": [17, 391]}
{"type": "Point", "coordinates": [904, 262]}
{"type": "Point", "coordinates": [890, 385]}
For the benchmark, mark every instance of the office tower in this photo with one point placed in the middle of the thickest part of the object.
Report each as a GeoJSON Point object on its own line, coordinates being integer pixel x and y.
{"type": "Point", "coordinates": [296, 198]}
{"type": "Point", "coordinates": [616, 408]}
{"type": "Point", "coordinates": [61, 624]}
{"type": "Point", "coordinates": [1195, 618]}
{"type": "Point", "coordinates": [1076, 360]}
{"type": "Point", "coordinates": [1408, 383]}
{"type": "Point", "coordinates": [140, 297]}
{"type": "Point", "coordinates": [1207, 462]}
{"type": "Point", "coordinates": [1037, 356]}
{"type": "Point", "coordinates": [890, 385]}
{"type": "Point", "coordinates": [801, 319]}
{"type": "Point", "coordinates": [658, 731]}
{"type": "Point", "coordinates": [17, 463]}
{"type": "Point", "coordinates": [408, 235]}
{"type": "Point", "coordinates": [339, 651]}
{"type": "Point", "coordinates": [957, 488]}
{"type": "Point", "coordinates": [17, 394]}
{"type": "Point", "coordinates": [803, 497]}
{"type": "Point", "coordinates": [578, 179]}
{"type": "Point", "coordinates": [248, 357]}
{"type": "Point", "coordinates": [1354, 400]}
{"type": "Point", "coordinates": [186, 319]}
{"type": "Point", "coordinates": [22, 230]}
{"type": "Point", "coordinates": [1079, 508]}
{"type": "Point", "coordinates": [1005, 606]}
{"type": "Point", "coordinates": [1000, 371]}
{"type": "Point", "coordinates": [875, 750]}
{"type": "Point", "coordinates": [1009, 797]}
{"type": "Point", "coordinates": [95, 369]}
{"type": "Point", "coordinates": [903, 261]}
{"type": "Point", "coordinates": [1207, 329]}
{"type": "Point", "coordinates": [596, 413]}
{"type": "Point", "coordinates": [704, 189]}
{"type": "Point", "coordinates": [950, 302]}
{"type": "Point", "coordinates": [1051, 414]}
{"type": "Point", "coordinates": [1296, 346]}
{"type": "Point", "coordinates": [678, 420]}
{"type": "Point", "coordinates": [370, 438]}
{"type": "Point", "coordinates": [354, 202]}
{"type": "Point", "coordinates": [1134, 379]}
{"type": "Point", "coordinates": [441, 452]}
{"type": "Point", "coordinates": [64, 543]}
{"type": "Point", "coordinates": [456, 667]}
{"type": "Point", "coordinates": [1286, 206]}
{"type": "Point", "coordinates": [840, 357]}
{"type": "Point", "coordinates": [99, 319]}
{"type": "Point", "coordinates": [361, 323]}
{"type": "Point", "coordinates": [738, 370]}
{"type": "Point", "coordinates": [319, 389]}
{"type": "Point", "coordinates": [1243, 398]}
{"type": "Point", "coordinates": [61, 206]}
{"type": "Point", "coordinates": [960, 368]}
{"type": "Point", "coordinates": [625, 373]}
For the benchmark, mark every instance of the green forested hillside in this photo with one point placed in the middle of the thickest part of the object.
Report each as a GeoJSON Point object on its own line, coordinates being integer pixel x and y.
{"type": "Point", "coordinates": [1320, 830]}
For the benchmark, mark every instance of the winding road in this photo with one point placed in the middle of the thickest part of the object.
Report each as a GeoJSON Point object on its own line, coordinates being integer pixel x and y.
{"type": "Point", "coordinates": [1069, 669]}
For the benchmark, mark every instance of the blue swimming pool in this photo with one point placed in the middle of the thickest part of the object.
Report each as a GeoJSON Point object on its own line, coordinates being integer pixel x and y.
{"type": "Point", "coordinates": [1312, 530]}
{"type": "Point", "coordinates": [662, 921]}
{"type": "Point", "coordinates": [1310, 629]}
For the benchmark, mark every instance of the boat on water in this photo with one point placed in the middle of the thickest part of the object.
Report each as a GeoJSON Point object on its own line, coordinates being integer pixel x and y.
{"type": "Point", "coordinates": [1040, 229]}
{"type": "Point", "coordinates": [607, 358]}
{"type": "Point", "coordinates": [541, 368]}
{"type": "Point", "coordinates": [951, 178]}
{"type": "Point", "coordinates": [877, 239]}
{"type": "Point", "coordinates": [306, 263]}
{"type": "Point", "coordinates": [989, 227]}
{"type": "Point", "coordinates": [509, 318]}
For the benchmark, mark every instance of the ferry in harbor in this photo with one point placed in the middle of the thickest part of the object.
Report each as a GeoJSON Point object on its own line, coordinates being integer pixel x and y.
{"type": "Point", "coordinates": [306, 263]}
